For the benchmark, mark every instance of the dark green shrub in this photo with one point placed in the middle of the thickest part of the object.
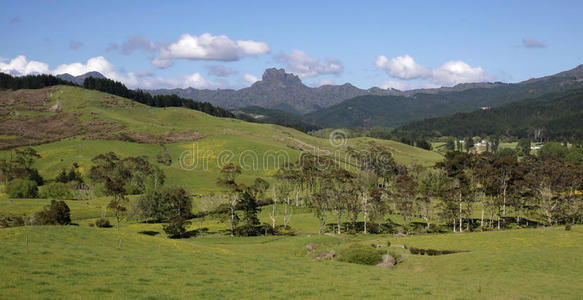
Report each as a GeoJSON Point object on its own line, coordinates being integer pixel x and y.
{"type": "Point", "coordinates": [102, 223]}
{"type": "Point", "coordinates": [568, 227]}
{"type": "Point", "coordinates": [22, 188]}
{"type": "Point", "coordinates": [11, 221]}
{"type": "Point", "coordinates": [57, 213]}
{"type": "Point", "coordinates": [132, 189]}
{"type": "Point", "coordinates": [388, 243]}
{"type": "Point", "coordinates": [361, 255]}
{"type": "Point", "coordinates": [56, 190]}
{"type": "Point", "coordinates": [176, 228]}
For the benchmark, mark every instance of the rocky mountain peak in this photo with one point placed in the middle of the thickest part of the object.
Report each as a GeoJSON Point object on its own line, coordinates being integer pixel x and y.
{"type": "Point", "coordinates": [279, 75]}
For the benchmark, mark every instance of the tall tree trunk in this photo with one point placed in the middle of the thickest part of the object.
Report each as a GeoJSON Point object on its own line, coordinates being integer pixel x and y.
{"type": "Point", "coordinates": [461, 216]}
{"type": "Point", "coordinates": [365, 210]}
{"type": "Point", "coordinates": [482, 220]}
{"type": "Point", "coordinates": [272, 215]}
{"type": "Point", "coordinates": [339, 213]}
{"type": "Point", "coordinates": [454, 225]}
{"type": "Point", "coordinates": [504, 206]}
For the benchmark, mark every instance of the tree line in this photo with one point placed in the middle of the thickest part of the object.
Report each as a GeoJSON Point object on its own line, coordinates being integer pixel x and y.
{"type": "Point", "coordinates": [503, 191]}
{"type": "Point", "coordinates": [119, 89]}
{"type": "Point", "coordinates": [111, 87]}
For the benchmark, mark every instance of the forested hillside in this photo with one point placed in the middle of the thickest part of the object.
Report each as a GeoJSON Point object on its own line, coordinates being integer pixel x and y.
{"type": "Point", "coordinates": [552, 116]}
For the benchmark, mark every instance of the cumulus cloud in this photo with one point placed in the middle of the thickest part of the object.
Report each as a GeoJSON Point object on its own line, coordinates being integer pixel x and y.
{"type": "Point", "coordinates": [220, 71]}
{"type": "Point", "coordinates": [208, 47]}
{"type": "Point", "coordinates": [250, 78]}
{"type": "Point", "coordinates": [299, 63]}
{"type": "Point", "coordinates": [75, 45]}
{"type": "Point", "coordinates": [532, 43]}
{"type": "Point", "coordinates": [94, 64]}
{"type": "Point", "coordinates": [402, 67]}
{"type": "Point", "coordinates": [455, 72]}
{"type": "Point", "coordinates": [325, 82]}
{"type": "Point", "coordinates": [145, 79]}
{"type": "Point", "coordinates": [20, 65]}
{"type": "Point", "coordinates": [449, 73]}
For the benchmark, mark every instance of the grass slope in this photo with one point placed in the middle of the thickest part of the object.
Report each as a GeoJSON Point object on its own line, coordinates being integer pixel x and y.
{"type": "Point", "coordinates": [83, 262]}
{"type": "Point", "coordinates": [219, 139]}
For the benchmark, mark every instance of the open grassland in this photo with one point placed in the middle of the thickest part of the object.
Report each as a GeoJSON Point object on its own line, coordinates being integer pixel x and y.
{"type": "Point", "coordinates": [84, 262]}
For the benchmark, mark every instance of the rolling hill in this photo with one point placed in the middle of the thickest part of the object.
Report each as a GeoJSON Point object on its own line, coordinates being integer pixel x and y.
{"type": "Point", "coordinates": [71, 124]}
{"type": "Point", "coordinates": [391, 111]}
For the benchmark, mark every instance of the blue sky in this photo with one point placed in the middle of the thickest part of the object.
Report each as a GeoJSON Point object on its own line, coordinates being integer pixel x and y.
{"type": "Point", "coordinates": [228, 44]}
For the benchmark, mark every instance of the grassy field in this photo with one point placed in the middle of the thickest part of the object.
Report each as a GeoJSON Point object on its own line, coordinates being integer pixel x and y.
{"type": "Point", "coordinates": [84, 262]}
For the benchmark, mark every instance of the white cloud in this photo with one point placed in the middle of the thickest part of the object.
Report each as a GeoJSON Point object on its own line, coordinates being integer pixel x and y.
{"type": "Point", "coordinates": [402, 67]}
{"type": "Point", "coordinates": [19, 66]}
{"type": "Point", "coordinates": [532, 43]}
{"type": "Point", "coordinates": [141, 79]}
{"type": "Point", "coordinates": [94, 64]}
{"type": "Point", "coordinates": [299, 63]}
{"type": "Point", "coordinates": [448, 74]}
{"type": "Point", "coordinates": [137, 43]}
{"type": "Point", "coordinates": [208, 47]}
{"type": "Point", "coordinates": [455, 72]}
{"type": "Point", "coordinates": [250, 78]}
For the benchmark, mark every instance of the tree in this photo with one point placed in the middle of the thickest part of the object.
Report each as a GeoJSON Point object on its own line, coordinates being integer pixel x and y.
{"type": "Point", "coordinates": [228, 178]}
{"type": "Point", "coordinates": [405, 196]}
{"type": "Point", "coordinates": [22, 188]}
{"type": "Point", "coordinates": [523, 147]}
{"type": "Point", "coordinates": [430, 185]}
{"type": "Point", "coordinates": [248, 204]}
{"type": "Point", "coordinates": [469, 143]}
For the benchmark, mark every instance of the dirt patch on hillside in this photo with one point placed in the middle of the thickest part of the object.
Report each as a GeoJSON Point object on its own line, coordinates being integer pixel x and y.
{"type": "Point", "coordinates": [33, 100]}
{"type": "Point", "coordinates": [147, 138]}
{"type": "Point", "coordinates": [39, 129]}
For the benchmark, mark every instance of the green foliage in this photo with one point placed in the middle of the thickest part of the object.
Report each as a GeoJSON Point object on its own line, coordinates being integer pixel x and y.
{"type": "Point", "coordinates": [57, 213]}
{"type": "Point", "coordinates": [164, 205]}
{"type": "Point", "coordinates": [22, 188]}
{"type": "Point", "coordinates": [555, 149]}
{"type": "Point", "coordinates": [523, 147]}
{"type": "Point", "coordinates": [102, 223]}
{"type": "Point", "coordinates": [30, 81]}
{"type": "Point", "coordinates": [554, 116]}
{"type": "Point", "coordinates": [248, 204]}
{"type": "Point", "coordinates": [55, 190]}
{"type": "Point", "coordinates": [358, 254]}
{"type": "Point", "coordinates": [176, 228]}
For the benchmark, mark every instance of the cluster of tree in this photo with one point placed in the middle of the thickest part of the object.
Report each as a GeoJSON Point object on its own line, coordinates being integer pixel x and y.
{"type": "Point", "coordinates": [549, 117]}
{"type": "Point", "coordinates": [30, 81]}
{"type": "Point", "coordinates": [119, 89]}
{"type": "Point", "coordinates": [543, 188]}
{"type": "Point", "coordinates": [122, 177]}
{"type": "Point", "coordinates": [21, 179]}
{"type": "Point", "coordinates": [241, 198]}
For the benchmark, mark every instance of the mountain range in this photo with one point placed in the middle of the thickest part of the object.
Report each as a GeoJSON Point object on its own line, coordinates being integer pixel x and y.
{"type": "Point", "coordinates": [346, 106]}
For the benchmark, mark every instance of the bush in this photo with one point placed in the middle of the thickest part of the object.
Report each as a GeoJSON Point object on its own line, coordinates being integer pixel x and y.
{"type": "Point", "coordinates": [55, 190]}
{"type": "Point", "coordinates": [102, 223]}
{"type": "Point", "coordinates": [176, 228]}
{"type": "Point", "coordinates": [361, 255]}
{"type": "Point", "coordinates": [57, 213]}
{"type": "Point", "coordinates": [22, 188]}
{"type": "Point", "coordinates": [11, 221]}
{"type": "Point", "coordinates": [133, 189]}
{"type": "Point", "coordinates": [568, 227]}
{"type": "Point", "coordinates": [388, 243]}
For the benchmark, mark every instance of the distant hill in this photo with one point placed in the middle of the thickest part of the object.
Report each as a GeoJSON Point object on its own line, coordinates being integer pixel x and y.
{"type": "Point", "coordinates": [274, 116]}
{"type": "Point", "coordinates": [280, 90]}
{"type": "Point", "coordinates": [79, 79]}
{"type": "Point", "coordinates": [556, 115]}
{"type": "Point", "coordinates": [394, 110]}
